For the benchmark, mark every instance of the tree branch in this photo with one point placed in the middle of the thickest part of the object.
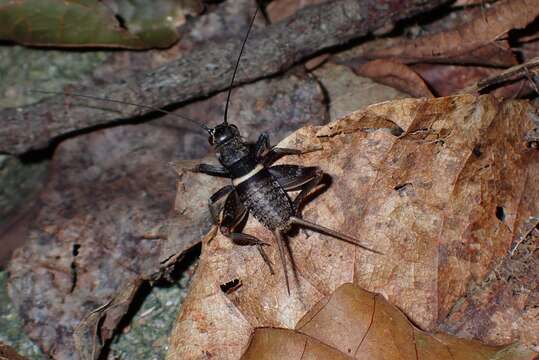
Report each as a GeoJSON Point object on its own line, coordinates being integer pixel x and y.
{"type": "Point", "coordinates": [205, 71]}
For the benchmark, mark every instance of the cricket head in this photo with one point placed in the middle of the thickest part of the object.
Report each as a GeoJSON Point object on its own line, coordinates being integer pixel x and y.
{"type": "Point", "coordinates": [223, 133]}
{"type": "Point", "coordinates": [228, 144]}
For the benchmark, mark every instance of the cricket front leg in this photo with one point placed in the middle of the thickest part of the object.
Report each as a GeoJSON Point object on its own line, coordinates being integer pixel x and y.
{"type": "Point", "coordinates": [294, 177]}
{"type": "Point", "coordinates": [212, 170]}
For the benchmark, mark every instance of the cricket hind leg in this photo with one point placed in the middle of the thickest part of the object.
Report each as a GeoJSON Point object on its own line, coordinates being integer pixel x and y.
{"type": "Point", "coordinates": [308, 186]}
{"type": "Point", "coordinates": [212, 170]}
{"type": "Point", "coordinates": [232, 216]}
{"type": "Point", "coordinates": [308, 179]}
{"type": "Point", "coordinates": [293, 177]}
{"type": "Point", "coordinates": [208, 169]}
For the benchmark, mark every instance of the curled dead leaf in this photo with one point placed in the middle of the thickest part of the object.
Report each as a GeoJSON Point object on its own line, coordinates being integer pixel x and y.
{"type": "Point", "coordinates": [428, 196]}
{"type": "Point", "coordinates": [476, 42]}
{"type": "Point", "coordinates": [352, 323]}
{"type": "Point", "coordinates": [525, 70]}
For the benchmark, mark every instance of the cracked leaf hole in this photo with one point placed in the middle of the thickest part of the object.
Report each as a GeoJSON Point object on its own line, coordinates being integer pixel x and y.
{"type": "Point", "coordinates": [477, 151]}
{"type": "Point", "coordinates": [231, 286]}
{"type": "Point", "coordinates": [500, 213]}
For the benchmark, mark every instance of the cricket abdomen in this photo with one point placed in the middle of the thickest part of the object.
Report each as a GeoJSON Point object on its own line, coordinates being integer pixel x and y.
{"type": "Point", "coordinates": [265, 199]}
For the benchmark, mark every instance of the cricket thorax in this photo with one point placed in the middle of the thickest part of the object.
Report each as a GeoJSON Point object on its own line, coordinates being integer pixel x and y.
{"type": "Point", "coordinates": [233, 151]}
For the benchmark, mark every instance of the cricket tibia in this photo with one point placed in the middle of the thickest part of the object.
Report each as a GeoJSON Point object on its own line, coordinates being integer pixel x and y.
{"type": "Point", "coordinates": [333, 233]}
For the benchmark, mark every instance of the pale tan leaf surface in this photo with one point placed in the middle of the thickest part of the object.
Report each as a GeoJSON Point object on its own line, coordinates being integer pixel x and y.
{"type": "Point", "coordinates": [428, 199]}
{"type": "Point", "coordinates": [353, 323]}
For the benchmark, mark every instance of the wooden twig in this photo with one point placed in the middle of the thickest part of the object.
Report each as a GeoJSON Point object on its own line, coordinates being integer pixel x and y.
{"type": "Point", "coordinates": [511, 74]}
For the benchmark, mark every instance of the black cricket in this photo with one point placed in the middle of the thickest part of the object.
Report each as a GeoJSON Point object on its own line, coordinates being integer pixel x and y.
{"type": "Point", "coordinates": [257, 187]}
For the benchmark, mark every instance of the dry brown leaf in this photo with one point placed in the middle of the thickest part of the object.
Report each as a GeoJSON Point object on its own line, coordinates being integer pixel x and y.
{"type": "Point", "coordinates": [526, 70]}
{"type": "Point", "coordinates": [316, 62]}
{"type": "Point", "coordinates": [353, 323]}
{"type": "Point", "coordinates": [513, 282]}
{"type": "Point", "coordinates": [395, 74]}
{"type": "Point", "coordinates": [430, 199]}
{"type": "Point", "coordinates": [473, 43]}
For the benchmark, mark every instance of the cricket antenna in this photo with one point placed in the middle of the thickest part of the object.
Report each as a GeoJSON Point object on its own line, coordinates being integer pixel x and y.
{"type": "Point", "coordinates": [125, 103]}
{"type": "Point", "coordinates": [225, 120]}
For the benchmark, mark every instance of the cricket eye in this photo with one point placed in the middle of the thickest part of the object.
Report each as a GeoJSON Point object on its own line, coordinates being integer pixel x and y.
{"type": "Point", "coordinates": [210, 139]}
